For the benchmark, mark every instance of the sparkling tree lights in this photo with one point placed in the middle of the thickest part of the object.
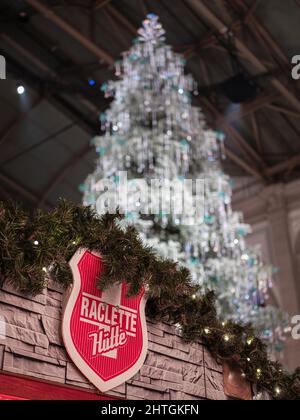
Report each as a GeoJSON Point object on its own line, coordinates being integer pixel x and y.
{"type": "Point", "coordinates": [152, 130]}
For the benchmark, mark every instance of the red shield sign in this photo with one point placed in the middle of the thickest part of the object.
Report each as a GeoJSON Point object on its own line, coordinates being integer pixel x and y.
{"type": "Point", "coordinates": [105, 333]}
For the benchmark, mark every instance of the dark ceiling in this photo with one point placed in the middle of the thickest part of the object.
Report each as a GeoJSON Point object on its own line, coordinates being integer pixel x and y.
{"type": "Point", "coordinates": [55, 47]}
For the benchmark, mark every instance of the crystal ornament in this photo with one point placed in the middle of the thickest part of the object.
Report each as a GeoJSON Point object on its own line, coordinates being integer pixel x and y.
{"type": "Point", "coordinates": [153, 131]}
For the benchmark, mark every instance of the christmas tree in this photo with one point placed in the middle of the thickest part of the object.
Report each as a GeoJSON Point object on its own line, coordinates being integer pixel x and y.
{"type": "Point", "coordinates": [153, 132]}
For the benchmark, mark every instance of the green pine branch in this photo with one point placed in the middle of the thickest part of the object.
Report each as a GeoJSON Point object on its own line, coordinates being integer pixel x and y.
{"type": "Point", "coordinates": [34, 248]}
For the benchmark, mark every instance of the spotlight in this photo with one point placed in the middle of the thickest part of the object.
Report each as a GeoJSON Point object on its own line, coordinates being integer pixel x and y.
{"type": "Point", "coordinates": [239, 89]}
{"type": "Point", "coordinates": [20, 89]}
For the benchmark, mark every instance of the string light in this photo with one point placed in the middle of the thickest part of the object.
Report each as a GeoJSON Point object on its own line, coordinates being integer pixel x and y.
{"type": "Point", "coordinates": [194, 297]}
{"type": "Point", "coordinates": [250, 341]}
{"type": "Point", "coordinates": [45, 270]}
{"type": "Point", "coordinates": [36, 243]}
{"type": "Point", "coordinates": [277, 391]}
{"type": "Point", "coordinates": [226, 338]}
{"type": "Point", "coordinates": [288, 382]}
{"type": "Point", "coordinates": [207, 331]}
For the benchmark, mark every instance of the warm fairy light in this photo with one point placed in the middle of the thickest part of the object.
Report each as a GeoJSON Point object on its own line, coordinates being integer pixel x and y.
{"type": "Point", "coordinates": [226, 338]}
{"type": "Point", "coordinates": [207, 331]}
{"type": "Point", "coordinates": [277, 390]}
{"type": "Point", "coordinates": [194, 297]}
{"type": "Point", "coordinates": [250, 341]}
{"type": "Point", "coordinates": [45, 270]}
{"type": "Point", "coordinates": [248, 359]}
{"type": "Point", "coordinates": [36, 243]}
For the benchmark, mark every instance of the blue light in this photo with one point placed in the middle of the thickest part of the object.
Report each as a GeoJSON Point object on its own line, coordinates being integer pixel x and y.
{"type": "Point", "coordinates": [92, 82]}
{"type": "Point", "coordinates": [152, 16]}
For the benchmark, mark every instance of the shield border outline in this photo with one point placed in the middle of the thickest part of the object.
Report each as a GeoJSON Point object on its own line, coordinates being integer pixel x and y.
{"type": "Point", "coordinates": [70, 300]}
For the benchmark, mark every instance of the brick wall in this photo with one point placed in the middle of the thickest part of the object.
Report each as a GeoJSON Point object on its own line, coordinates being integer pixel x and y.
{"type": "Point", "coordinates": [33, 347]}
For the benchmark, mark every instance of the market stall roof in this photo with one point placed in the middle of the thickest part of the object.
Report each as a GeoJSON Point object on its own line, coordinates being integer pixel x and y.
{"type": "Point", "coordinates": [56, 47]}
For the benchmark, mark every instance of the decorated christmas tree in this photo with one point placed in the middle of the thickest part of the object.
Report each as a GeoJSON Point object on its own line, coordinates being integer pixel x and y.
{"type": "Point", "coordinates": [153, 132]}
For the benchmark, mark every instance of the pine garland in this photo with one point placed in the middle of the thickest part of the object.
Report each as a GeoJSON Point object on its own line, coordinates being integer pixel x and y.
{"type": "Point", "coordinates": [29, 246]}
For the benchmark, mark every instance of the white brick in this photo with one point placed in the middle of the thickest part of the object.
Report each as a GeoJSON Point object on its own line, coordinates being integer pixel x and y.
{"type": "Point", "coordinates": [27, 336]}
{"type": "Point", "coordinates": [155, 373]}
{"type": "Point", "coordinates": [20, 302]}
{"type": "Point", "coordinates": [52, 329]}
{"type": "Point", "coordinates": [20, 318]}
{"type": "Point", "coordinates": [36, 367]}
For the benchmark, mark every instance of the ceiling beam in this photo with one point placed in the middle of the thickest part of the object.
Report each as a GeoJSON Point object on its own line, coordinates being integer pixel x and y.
{"type": "Point", "coordinates": [249, 108]}
{"type": "Point", "coordinates": [255, 24]}
{"type": "Point", "coordinates": [121, 19]}
{"type": "Point", "coordinates": [251, 10]}
{"type": "Point", "coordinates": [38, 64]}
{"type": "Point", "coordinates": [100, 53]}
{"type": "Point", "coordinates": [240, 141]}
{"type": "Point", "coordinates": [56, 77]}
{"type": "Point", "coordinates": [39, 143]}
{"type": "Point", "coordinates": [257, 133]}
{"type": "Point", "coordinates": [207, 41]}
{"type": "Point", "coordinates": [283, 110]}
{"type": "Point", "coordinates": [282, 139]}
{"type": "Point", "coordinates": [283, 166]}
{"type": "Point", "coordinates": [115, 29]}
{"type": "Point", "coordinates": [25, 192]}
{"type": "Point", "coordinates": [245, 166]}
{"type": "Point", "coordinates": [5, 135]}
{"type": "Point", "coordinates": [217, 25]}
{"type": "Point", "coordinates": [101, 3]}
{"type": "Point", "coordinates": [62, 172]}
{"type": "Point", "coordinates": [72, 112]}
{"type": "Point", "coordinates": [204, 12]}
{"type": "Point", "coordinates": [56, 80]}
